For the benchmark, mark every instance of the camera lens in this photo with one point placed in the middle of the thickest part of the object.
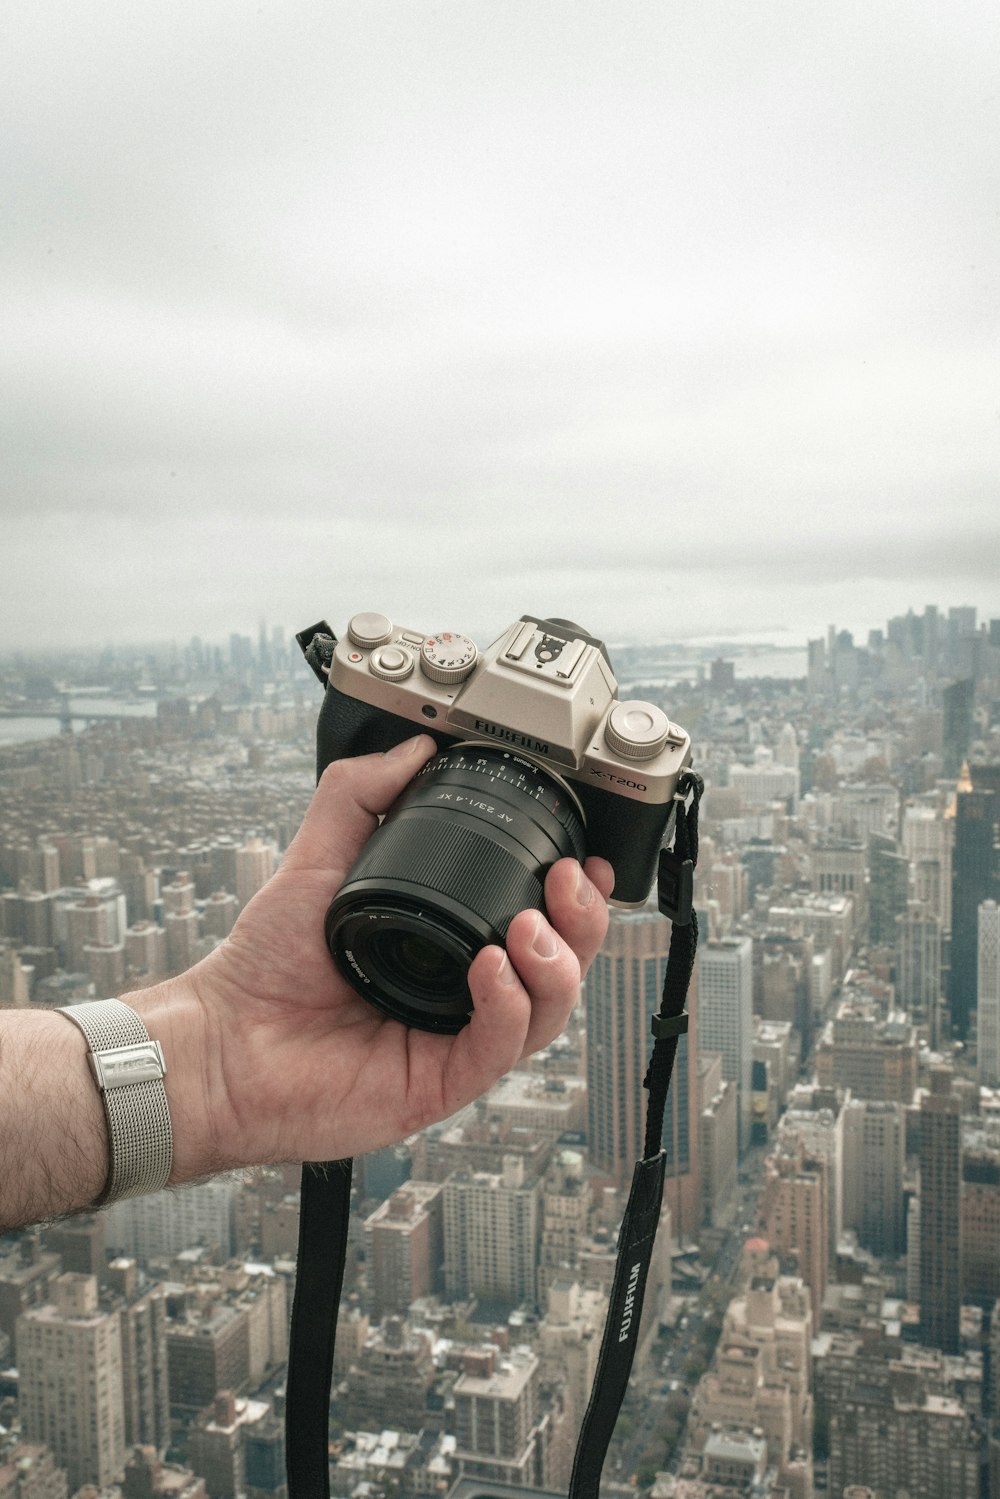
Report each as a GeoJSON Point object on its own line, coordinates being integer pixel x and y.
{"type": "Point", "coordinates": [465, 848]}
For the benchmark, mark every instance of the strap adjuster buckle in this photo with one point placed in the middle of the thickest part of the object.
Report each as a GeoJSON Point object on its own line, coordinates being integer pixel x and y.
{"type": "Point", "coordinates": [665, 1026]}
{"type": "Point", "coordinates": [675, 887]}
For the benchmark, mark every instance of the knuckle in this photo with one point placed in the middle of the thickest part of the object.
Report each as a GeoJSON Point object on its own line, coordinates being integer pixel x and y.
{"type": "Point", "coordinates": [334, 773]}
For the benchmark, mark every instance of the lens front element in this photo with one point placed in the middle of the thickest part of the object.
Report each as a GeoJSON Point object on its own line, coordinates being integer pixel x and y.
{"type": "Point", "coordinates": [463, 850]}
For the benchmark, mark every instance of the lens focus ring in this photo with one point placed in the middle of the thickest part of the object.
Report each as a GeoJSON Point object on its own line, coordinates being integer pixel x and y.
{"type": "Point", "coordinates": [466, 847]}
{"type": "Point", "coordinates": [455, 858]}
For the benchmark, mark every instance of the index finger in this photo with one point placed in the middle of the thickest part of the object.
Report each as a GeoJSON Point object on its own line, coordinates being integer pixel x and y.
{"type": "Point", "coordinates": [347, 803]}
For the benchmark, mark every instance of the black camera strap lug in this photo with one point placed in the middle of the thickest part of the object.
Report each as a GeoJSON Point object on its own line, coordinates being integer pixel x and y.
{"type": "Point", "coordinates": [317, 644]}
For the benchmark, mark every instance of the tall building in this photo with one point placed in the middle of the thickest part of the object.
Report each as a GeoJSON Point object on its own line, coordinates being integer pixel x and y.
{"type": "Point", "coordinates": [217, 1443]}
{"type": "Point", "coordinates": [761, 1377]}
{"type": "Point", "coordinates": [255, 864]}
{"type": "Point", "coordinates": [14, 981]}
{"type": "Point", "coordinates": [892, 1430]}
{"type": "Point", "coordinates": [875, 1058]}
{"type": "Point", "coordinates": [874, 1159]}
{"type": "Point", "coordinates": [717, 1149]}
{"type": "Point", "coordinates": [622, 992]}
{"type": "Point", "coordinates": [160, 1225]}
{"type": "Point", "coordinates": [928, 838]}
{"type": "Point", "coordinates": [765, 781]}
{"type": "Point", "coordinates": [105, 962]}
{"type": "Point", "coordinates": [206, 1353]}
{"type": "Point", "coordinates": [725, 1017]}
{"type": "Point", "coordinates": [794, 1214]}
{"type": "Point", "coordinates": [70, 1387]}
{"type": "Point", "coordinates": [940, 1215]}
{"type": "Point", "coordinates": [146, 950]}
{"type": "Point", "coordinates": [988, 995]}
{"type": "Point", "coordinates": [219, 913]}
{"type": "Point", "coordinates": [888, 890]}
{"type": "Point", "coordinates": [565, 1220]}
{"type": "Point", "coordinates": [974, 879]}
{"type": "Point", "coordinates": [498, 1435]}
{"type": "Point", "coordinates": [918, 966]}
{"type": "Point", "coordinates": [404, 1247]}
{"type": "Point", "coordinates": [491, 1234]}
{"type": "Point", "coordinates": [958, 702]}
{"type": "Point", "coordinates": [144, 1356]}
{"type": "Point", "coordinates": [27, 1274]}
{"type": "Point", "coordinates": [815, 1118]}
{"type": "Point", "coordinates": [980, 1219]}
{"type": "Point", "coordinates": [390, 1381]}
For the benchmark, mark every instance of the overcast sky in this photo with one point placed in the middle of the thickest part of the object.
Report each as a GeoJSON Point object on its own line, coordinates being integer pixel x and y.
{"type": "Point", "coordinates": [673, 317]}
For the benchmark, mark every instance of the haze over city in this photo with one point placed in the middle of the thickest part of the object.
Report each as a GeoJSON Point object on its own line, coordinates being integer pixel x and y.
{"type": "Point", "coordinates": [677, 320]}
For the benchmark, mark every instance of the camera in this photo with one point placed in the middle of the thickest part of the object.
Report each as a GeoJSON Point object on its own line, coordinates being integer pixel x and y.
{"type": "Point", "coordinates": [538, 758]}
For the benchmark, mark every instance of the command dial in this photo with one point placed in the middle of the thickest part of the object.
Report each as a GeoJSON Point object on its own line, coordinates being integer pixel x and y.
{"type": "Point", "coordinates": [448, 657]}
{"type": "Point", "coordinates": [637, 730]}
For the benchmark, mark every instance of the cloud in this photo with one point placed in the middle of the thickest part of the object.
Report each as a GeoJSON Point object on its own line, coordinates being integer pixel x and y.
{"type": "Point", "coordinates": [654, 305]}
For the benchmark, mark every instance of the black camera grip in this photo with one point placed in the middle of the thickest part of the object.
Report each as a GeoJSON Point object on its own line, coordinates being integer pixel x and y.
{"type": "Point", "coordinates": [350, 727]}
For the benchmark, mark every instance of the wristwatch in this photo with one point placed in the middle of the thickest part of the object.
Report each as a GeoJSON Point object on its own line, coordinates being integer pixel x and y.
{"type": "Point", "coordinates": [129, 1070]}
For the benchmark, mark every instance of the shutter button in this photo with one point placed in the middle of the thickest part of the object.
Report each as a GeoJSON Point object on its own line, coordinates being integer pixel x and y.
{"type": "Point", "coordinates": [391, 663]}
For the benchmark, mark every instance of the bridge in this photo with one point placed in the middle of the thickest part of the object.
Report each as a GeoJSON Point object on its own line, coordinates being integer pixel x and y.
{"type": "Point", "coordinates": [63, 711]}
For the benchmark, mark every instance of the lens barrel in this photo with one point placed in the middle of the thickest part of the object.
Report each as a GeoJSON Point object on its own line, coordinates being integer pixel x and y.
{"type": "Point", "coordinates": [464, 848]}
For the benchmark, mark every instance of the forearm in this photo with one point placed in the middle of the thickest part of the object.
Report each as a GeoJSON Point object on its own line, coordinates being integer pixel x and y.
{"type": "Point", "coordinates": [54, 1147]}
{"type": "Point", "coordinates": [53, 1137]}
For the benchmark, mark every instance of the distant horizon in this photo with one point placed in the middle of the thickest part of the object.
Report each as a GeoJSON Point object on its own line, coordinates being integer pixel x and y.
{"type": "Point", "coordinates": [780, 638]}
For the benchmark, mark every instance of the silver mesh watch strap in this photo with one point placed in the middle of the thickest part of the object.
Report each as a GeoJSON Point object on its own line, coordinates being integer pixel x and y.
{"type": "Point", "coordinates": [129, 1069]}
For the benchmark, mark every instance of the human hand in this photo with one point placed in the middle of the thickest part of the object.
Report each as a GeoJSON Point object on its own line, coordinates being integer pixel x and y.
{"type": "Point", "coordinates": [272, 1056]}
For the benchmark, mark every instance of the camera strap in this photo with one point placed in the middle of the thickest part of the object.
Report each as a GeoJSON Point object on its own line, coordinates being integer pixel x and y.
{"type": "Point", "coordinates": [325, 1206]}
{"type": "Point", "coordinates": [675, 879]}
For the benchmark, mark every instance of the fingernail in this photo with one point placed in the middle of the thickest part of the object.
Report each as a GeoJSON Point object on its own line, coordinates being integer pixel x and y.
{"type": "Point", "coordinates": [505, 972]}
{"type": "Point", "coordinates": [400, 751]}
{"type": "Point", "coordinates": [544, 941]}
{"type": "Point", "coordinates": [584, 889]}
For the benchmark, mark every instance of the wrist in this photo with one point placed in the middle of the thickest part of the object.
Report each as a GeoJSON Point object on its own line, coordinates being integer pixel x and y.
{"type": "Point", "coordinates": [174, 1016]}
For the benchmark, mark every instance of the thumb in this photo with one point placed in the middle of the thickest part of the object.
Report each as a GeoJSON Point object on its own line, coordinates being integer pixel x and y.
{"type": "Point", "coordinates": [346, 805]}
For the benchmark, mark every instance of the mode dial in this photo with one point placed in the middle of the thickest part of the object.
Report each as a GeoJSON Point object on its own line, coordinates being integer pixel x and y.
{"type": "Point", "coordinates": [637, 730]}
{"type": "Point", "coordinates": [370, 630]}
{"type": "Point", "coordinates": [448, 657]}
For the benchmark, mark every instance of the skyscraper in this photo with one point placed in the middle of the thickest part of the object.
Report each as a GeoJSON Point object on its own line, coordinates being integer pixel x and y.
{"type": "Point", "coordinates": [958, 701]}
{"type": "Point", "coordinates": [874, 1162]}
{"type": "Point", "coordinates": [491, 1225]}
{"type": "Point", "coordinates": [404, 1247]}
{"type": "Point", "coordinates": [888, 889]}
{"type": "Point", "coordinates": [622, 992]}
{"type": "Point", "coordinates": [71, 1395]}
{"type": "Point", "coordinates": [497, 1436]}
{"type": "Point", "coordinates": [940, 1215]}
{"type": "Point", "coordinates": [927, 838]}
{"type": "Point", "coordinates": [918, 966]}
{"type": "Point", "coordinates": [974, 879]}
{"type": "Point", "coordinates": [794, 1211]}
{"type": "Point", "coordinates": [725, 1017]}
{"type": "Point", "coordinates": [988, 995]}
{"type": "Point", "coordinates": [255, 864]}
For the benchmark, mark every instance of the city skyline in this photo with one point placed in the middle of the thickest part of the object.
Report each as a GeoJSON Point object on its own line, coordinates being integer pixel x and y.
{"type": "Point", "coordinates": [802, 1290]}
{"type": "Point", "coordinates": [676, 322]}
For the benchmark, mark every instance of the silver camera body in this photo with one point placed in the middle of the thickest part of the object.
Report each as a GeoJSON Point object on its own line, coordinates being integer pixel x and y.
{"type": "Point", "coordinates": [539, 759]}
